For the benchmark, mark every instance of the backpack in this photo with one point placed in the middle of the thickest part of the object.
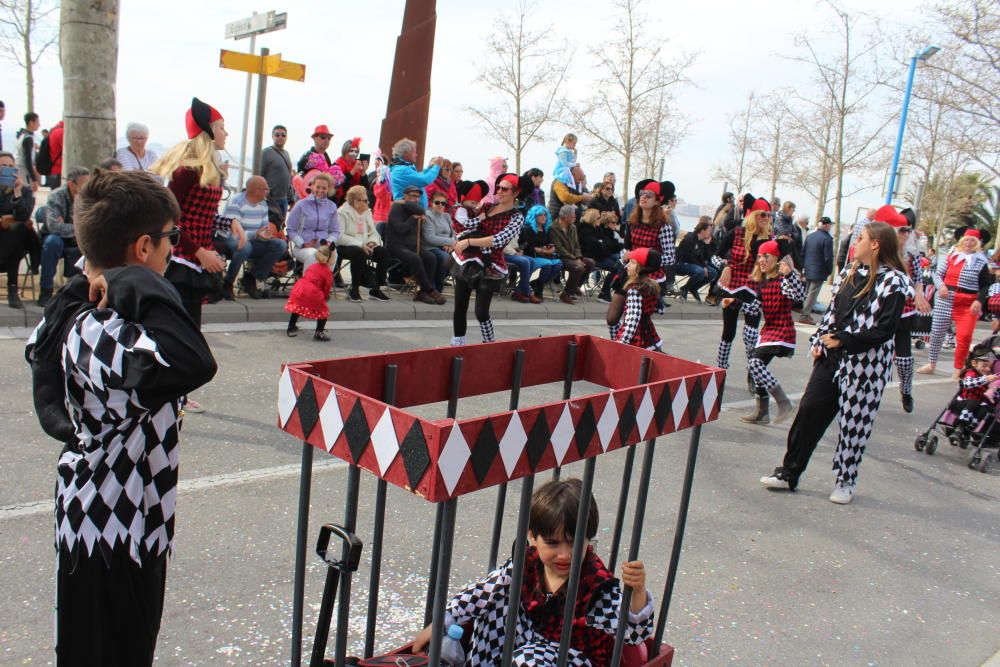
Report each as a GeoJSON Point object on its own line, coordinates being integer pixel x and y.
{"type": "Point", "coordinates": [43, 160]}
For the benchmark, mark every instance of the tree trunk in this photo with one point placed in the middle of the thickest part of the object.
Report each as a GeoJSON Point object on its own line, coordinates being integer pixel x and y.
{"type": "Point", "coordinates": [88, 45]}
{"type": "Point", "coordinates": [29, 70]}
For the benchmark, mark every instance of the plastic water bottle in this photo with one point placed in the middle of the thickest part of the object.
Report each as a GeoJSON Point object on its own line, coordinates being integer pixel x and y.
{"type": "Point", "coordinates": [452, 653]}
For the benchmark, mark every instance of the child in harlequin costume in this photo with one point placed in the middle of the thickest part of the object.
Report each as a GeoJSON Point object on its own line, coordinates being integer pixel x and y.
{"type": "Point", "coordinates": [975, 399]}
{"type": "Point", "coordinates": [641, 295]}
{"type": "Point", "coordinates": [853, 350]}
{"type": "Point", "coordinates": [904, 222]}
{"type": "Point", "coordinates": [478, 254]}
{"type": "Point", "coordinates": [309, 295]}
{"type": "Point", "coordinates": [648, 227]}
{"type": "Point", "coordinates": [566, 160]}
{"type": "Point", "coordinates": [110, 381]}
{"type": "Point", "coordinates": [739, 250]}
{"type": "Point", "coordinates": [540, 613]}
{"type": "Point", "coordinates": [778, 286]}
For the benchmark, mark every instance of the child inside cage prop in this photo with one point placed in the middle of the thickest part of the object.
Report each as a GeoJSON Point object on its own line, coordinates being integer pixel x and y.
{"type": "Point", "coordinates": [355, 409]}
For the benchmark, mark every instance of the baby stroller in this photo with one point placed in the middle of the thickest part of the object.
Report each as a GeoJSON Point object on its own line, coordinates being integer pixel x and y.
{"type": "Point", "coordinates": [984, 438]}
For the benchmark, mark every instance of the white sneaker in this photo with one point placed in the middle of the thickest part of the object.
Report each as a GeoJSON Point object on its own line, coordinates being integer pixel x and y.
{"type": "Point", "coordinates": [842, 494]}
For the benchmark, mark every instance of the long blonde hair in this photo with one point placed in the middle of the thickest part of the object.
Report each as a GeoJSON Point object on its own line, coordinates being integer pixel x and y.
{"type": "Point", "coordinates": [887, 254]}
{"type": "Point", "coordinates": [643, 282]}
{"type": "Point", "coordinates": [753, 232]}
{"type": "Point", "coordinates": [197, 154]}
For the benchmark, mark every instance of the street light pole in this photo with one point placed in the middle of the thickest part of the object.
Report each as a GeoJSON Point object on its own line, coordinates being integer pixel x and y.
{"type": "Point", "coordinates": [923, 54]}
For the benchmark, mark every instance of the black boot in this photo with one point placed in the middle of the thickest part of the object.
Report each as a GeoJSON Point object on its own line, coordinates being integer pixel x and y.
{"type": "Point", "coordinates": [760, 413]}
{"type": "Point", "coordinates": [13, 298]}
{"type": "Point", "coordinates": [44, 296]}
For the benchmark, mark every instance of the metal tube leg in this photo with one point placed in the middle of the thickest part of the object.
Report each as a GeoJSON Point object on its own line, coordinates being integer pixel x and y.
{"type": "Point", "coordinates": [389, 394]}
{"type": "Point", "coordinates": [517, 570]}
{"type": "Point", "coordinates": [573, 584]}
{"type": "Point", "coordinates": [301, 536]}
{"type": "Point", "coordinates": [675, 552]}
{"type": "Point", "coordinates": [633, 549]}
{"type": "Point", "coordinates": [450, 508]}
{"type": "Point", "coordinates": [344, 609]}
{"type": "Point", "coordinates": [435, 555]}
{"type": "Point", "coordinates": [515, 397]}
{"type": "Point", "coordinates": [616, 535]}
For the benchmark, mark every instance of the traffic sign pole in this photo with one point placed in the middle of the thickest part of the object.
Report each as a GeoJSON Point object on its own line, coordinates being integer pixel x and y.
{"type": "Point", "coordinates": [258, 134]}
{"type": "Point", "coordinates": [246, 116]}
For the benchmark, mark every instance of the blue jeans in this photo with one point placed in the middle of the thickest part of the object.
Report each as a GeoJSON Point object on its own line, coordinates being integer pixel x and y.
{"type": "Point", "coordinates": [443, 265]}
{"type": "Point", "coordinates": [698, 275]}
{"type": "Point", "coordinates": [548, 269]}
{"type": "Point", "coordinates": [263, 252]}
{"type": "Point", "coordinates": [524, 271]}
{"type": "Point", "coordinates": [54, 248]}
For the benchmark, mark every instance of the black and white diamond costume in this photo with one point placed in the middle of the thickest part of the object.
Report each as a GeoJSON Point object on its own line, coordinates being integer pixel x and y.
{"type": "Point", "coordinates": [120, 375]}
{"type": "Point", "coordinates": [847, 382]}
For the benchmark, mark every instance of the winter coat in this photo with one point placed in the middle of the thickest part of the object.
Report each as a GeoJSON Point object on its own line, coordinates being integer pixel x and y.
{"type": "Point", "coordinates": [437, 230]}
{"type": "Point", "coordinates": [313, 219]}
{"type": "Point", "coordinates": [401, 230]}
{"type": "Point", "coordinates": [357, 229]}
{"type": "Point", "coordinates": [310, 292]}
{"type": "Point", "coordinates": [405, 173]}
{"type": "Point", "coordinates": [817, 255]}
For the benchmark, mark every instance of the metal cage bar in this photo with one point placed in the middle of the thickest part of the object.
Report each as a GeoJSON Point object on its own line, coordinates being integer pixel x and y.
{"type": "Point", "coordinates": [576, 567]}
{"type": "Point", "coordinates": [301, 536]}
{"type": "Point", "coordinates": [517, 569]}
{"type": "Point", "coordinates": [456, 384]}
{"type": "Point", "coordinates": [675, 552]}
{"type": "Point", "coordinates": [444, 574]}
{"type": "Point", "coordinates": [344, 604]}
{"type": "Point", "coordinates": [515, 398]}
{"type": "Point", "coordinates": [616, 534]}
{"type": "Point", "coordinates": [378, 532]}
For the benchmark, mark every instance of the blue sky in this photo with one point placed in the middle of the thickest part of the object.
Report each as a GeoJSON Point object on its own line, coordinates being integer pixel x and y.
{"type": "Point", "coordinates": [169, 52]}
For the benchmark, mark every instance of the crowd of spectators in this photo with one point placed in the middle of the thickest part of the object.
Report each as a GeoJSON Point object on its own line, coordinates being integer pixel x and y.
{"type": "Point", "coordinates": [388, 221]}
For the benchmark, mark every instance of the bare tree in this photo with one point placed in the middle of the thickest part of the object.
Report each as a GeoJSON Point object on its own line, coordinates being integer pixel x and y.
{"type": "Point", "coordinates": [661, 128]}
{"type": "Point", "coordinates": [773, 144]}
{"type": "Point", "coordinates": [26, 34]}
{"type": "Point", "coordinates": [973, 92]}
{"type": "Point", "coordinates": [88, 44]}
{"type": "Point", "coordinates": [632, 75]}
{"type": "Point", "coordinates": [528, 77]}
{"type": "Point", "coordinates": [741, 170]}
{"type": "Point", "coordinates": [812, 165]}
{"type": "Point", "coordinates": [849, 81]}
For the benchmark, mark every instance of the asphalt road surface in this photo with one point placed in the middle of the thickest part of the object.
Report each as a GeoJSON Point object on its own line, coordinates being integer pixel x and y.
{"type": "Point", "coordinates": [905, 575]}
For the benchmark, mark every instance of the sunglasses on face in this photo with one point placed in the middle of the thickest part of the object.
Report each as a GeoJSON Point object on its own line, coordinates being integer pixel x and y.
{"type": "Point", "coordinates": [439, 203]}
{"type": "Point", "coordinates": [280, 134]}
{"type": "Point", "coordinates": [505, 188]}
{"type": "Point", "coordinates": [645, 194]}
{"type": "Point", "coordinates": [174, 235]}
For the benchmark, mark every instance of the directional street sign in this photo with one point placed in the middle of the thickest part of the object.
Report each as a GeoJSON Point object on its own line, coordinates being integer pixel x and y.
{"type": "Point", "coordinates": [271, 65]}
{"type": "Point", "coordinates": [257, 25]}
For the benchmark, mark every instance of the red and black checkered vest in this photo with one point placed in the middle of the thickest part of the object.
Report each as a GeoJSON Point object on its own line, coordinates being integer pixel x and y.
{"type": "Point", "coordinates": [740, 265]}
{"type": "Point", "coordinates": [777, 309]}
{"type": "Point", "coordinates": [489, 225]}
{"type": "Point", "coordinates": [641, 235]}
{"type": "Point", "coordinates": [974, 393]}
{"type": "Point", "coordinates": [198, 211]}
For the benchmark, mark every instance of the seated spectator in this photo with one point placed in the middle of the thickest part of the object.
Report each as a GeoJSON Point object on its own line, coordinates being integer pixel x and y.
{"type": "Point", "coordinates": [58, 233]}
{"type": "Point", "coordinates": [439, 236]}
{"type": "Point", "coordinates": [352, 168]}
{"type": "Point", "coordinates": [249, 209]}
{"type": "Point", "coordinates": [135, 157]}
{"type": "Point", "coordinates": [111, 164]}
{"type": "Point", "coordinates": [445, 185]}
{"type": "Point", "coordinates": [321, 137]}
{"type": "Point", "coordinates": [536, 243]}
{"type": "Point", "coordinates": [17, 237]}
{"type": "Point", "coordinates": [313, 222]}
{"type": "Point", "coordinates": [567, 242]}
{"type": "Point", "coordinates": [403, 171]}
{"type": "Point", "coordinates": [574, 195]}
{"type": "Point", "coordinates": [694, 260]}
{"type": "Point", "coordinates": [605, 201]}
{"type": "Point", "coordinates": [531, 193]}
{"type": "Point", "coordinates": [601, 243]}
{"type": "Point", "coordinates": [519, 266]}
{"type": "Point", "coordinates": [360, 243]}
{"type": "Point", "coordinates": [403, 241]}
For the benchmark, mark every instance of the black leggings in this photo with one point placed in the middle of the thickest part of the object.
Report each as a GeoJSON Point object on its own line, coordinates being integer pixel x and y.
{"type": "Point", "coordinates": [730, 318]}
{"type": "Point", "coordinates": [463, 291]}
{"type": "Point", "coordinates": [903, 338]}
{"type": "Point", "coordinates": [293, 321]}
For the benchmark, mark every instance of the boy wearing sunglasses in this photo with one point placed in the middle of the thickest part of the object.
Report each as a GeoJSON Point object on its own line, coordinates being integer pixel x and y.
{"type": "Point", "coordinates": [112, 362]}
